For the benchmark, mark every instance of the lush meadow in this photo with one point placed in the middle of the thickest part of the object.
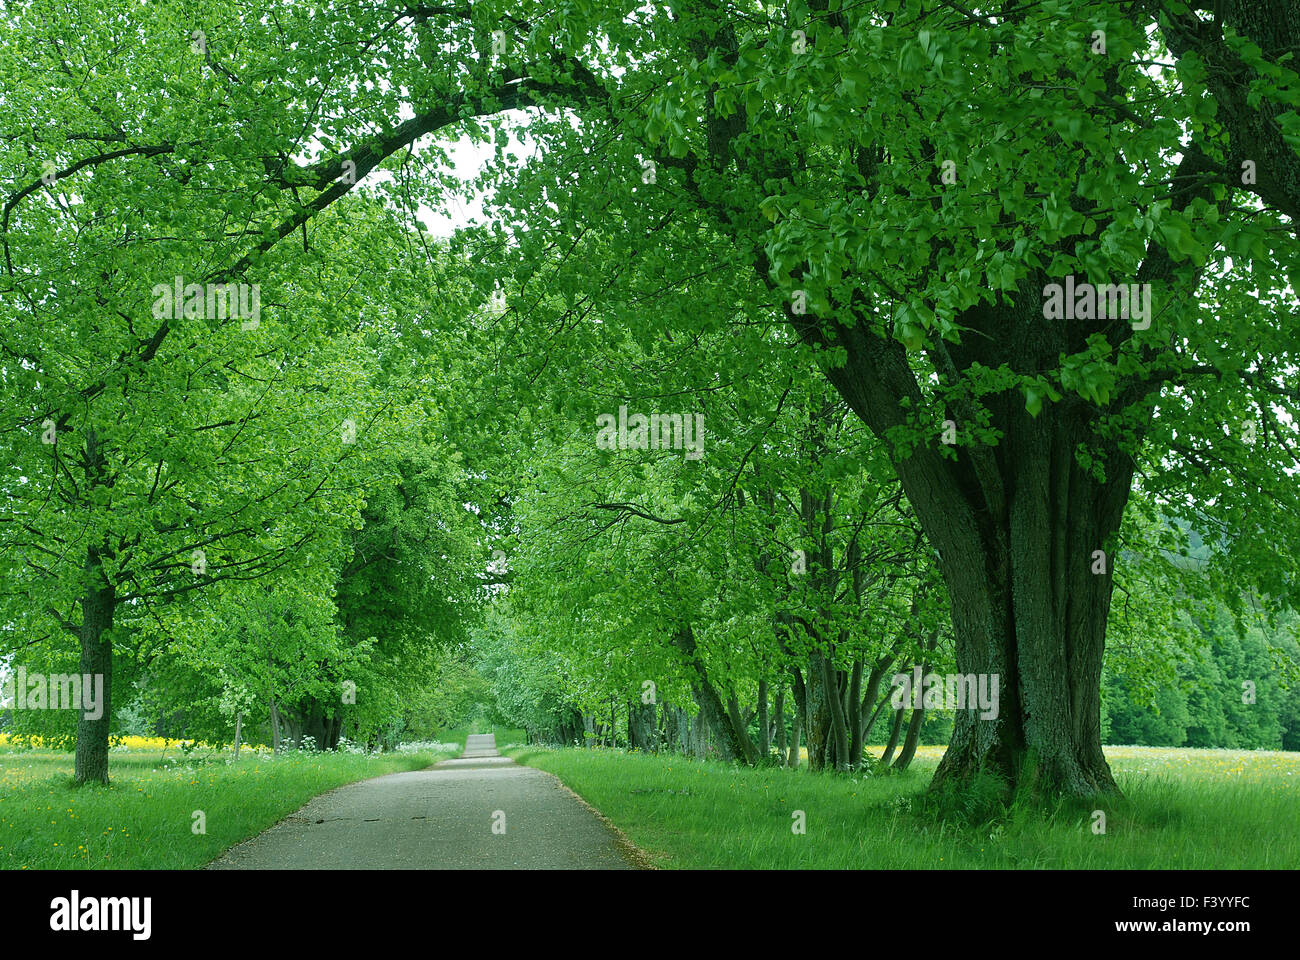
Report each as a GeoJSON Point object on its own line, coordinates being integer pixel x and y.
{"type": "Point", "coordinates": [145, 818]}
{"type": "Point", "coordinates": [1183, 808]}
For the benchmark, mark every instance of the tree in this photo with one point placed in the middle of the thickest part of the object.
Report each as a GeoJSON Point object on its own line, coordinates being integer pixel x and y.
{"type": "Point", "coordinates": [929, 300]}
{"type": "Point", "coordinates": [909, 189]}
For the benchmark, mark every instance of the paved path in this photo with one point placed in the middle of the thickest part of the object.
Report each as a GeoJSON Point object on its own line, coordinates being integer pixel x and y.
{"type": "Point", "coordinates": [482, 811]}
{"type": "Point", "coordinates": [480, 745]}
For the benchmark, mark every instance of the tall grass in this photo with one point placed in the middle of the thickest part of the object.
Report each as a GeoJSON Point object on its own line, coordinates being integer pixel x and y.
{"type": "Point", "coordinates": [145, 818]}
{"type": "Point", "coordinates": [1203, 809]}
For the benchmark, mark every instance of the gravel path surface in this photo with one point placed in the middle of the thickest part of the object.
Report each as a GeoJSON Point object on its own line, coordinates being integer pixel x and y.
{"type": "Point", "coordinates": [480, 812]}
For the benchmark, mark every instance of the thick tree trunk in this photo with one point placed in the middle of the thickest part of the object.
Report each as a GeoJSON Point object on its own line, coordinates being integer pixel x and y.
{"type": "Point", "coordinates": [1028, 607]}
{"type": "Point", "coordinates": [1016, 527]}
{"type": "Point", "coordinates": [641, 729]}
{"type": "Point", "coordinates": [97, 610]}
{"type": "Point", "coordinates": [764, 731]}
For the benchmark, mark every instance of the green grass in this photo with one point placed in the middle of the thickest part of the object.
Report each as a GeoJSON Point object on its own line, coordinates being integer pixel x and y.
{"type": "Point", "coordinates": [144, 819]}
{"type": "Point", "coordinates": [1183, 808]}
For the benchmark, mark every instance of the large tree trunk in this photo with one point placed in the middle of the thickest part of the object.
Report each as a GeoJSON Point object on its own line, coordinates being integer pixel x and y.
{"type": "Point", "coordinates": [817, 715]}
{"type": "Point", "coordinates": [641, 728]}
{"type": "Point", "coordinates": [1016, 527]}
{"type": "Point", "coordinates": [1028, 607]}
{"type": "Point", "coordinates": [764, 731]}
{"type": "Point", "coordinates": [97, 610]}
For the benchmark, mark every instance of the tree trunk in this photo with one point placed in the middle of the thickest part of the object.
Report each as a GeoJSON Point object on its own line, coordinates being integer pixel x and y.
{"type": "Point", "coordinates": [642, 731]}
{"type": "Point", "coordinates": [739, 726]}
{"type": "Point", "coordinates": [911, 740]}
{"type": "Point", "coordinates": [97, 610]}
{"type": "Point", "coordinates": [801, 717]}
{"type": "Point", "coordinates": [275, 728]}
{"type": "Point", "coordinates": [893, 737]}
{"type": "Point", "coordinates": [873, 688]}
{"type": "Point", "coordinates": [835, 703]}
{"type": "Point", "coordinates": [918, 714]}
{"type": "Point", "coordinates": [816, 714]}
{"type": "Point", "coordinates": [685, 733]}
{"type": "Point", "coordinates": [712, 712]}
{"type": "Point", "coordinates": [239, 729]}
{"type": "Point", "coordinates": [779, 712]}
{"type": "Point", "coordinates": [764, 731]}
{"type": "Point", "coordinates": [854, 715]}
{"type": "Point", "coordinates": [1028, 607]}
{"type": "Point", "coordinates": [1015, 526]}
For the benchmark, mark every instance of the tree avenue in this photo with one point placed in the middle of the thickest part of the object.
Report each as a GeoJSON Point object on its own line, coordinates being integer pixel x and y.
{"type": "Point", "coordinates": [785, 215]}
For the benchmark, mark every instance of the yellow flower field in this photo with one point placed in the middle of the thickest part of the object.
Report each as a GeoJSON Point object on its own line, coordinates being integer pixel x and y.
{"type": "Point", "coordinates": [1247, 766]}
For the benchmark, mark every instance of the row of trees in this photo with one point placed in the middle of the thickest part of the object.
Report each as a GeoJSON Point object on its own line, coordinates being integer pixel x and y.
{"type": "Point", "coordinates": [1227, 693]}
{"type": "Point", "coordinates": [827, 229]}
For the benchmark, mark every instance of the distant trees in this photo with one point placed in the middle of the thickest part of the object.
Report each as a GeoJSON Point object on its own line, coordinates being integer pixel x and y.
{"type": "Point", "coordinates": [1227, 691]}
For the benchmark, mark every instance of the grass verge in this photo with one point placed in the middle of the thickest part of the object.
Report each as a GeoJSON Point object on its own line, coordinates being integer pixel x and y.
{"type": "Point", "coordinates": [145, 819]}
{"type": "Point", "coordinates": [1183, 808]}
